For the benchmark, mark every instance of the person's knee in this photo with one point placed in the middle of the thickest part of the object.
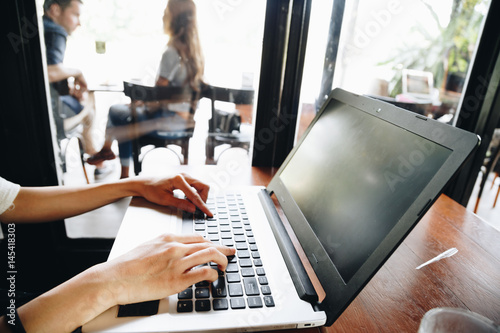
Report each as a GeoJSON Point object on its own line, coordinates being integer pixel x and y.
{"type": "Point", "coordinates": [119, 114]}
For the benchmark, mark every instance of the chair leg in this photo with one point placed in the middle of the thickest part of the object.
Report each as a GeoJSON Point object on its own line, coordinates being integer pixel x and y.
{"type": "Point", "coordinates": [494, 178]}
{"type": "Point", "coordinates": [477, 205]}
{"type": "Point", "coordinates": [209, 151]}
{"type": "Point", "coordinates": [84, 170]}
{"type": "Point", "coordinates": [80, 146]}
{"type": "Point", "coordinates": [496, 197]}
{"type": "Point", "coordinates": [185, 151]}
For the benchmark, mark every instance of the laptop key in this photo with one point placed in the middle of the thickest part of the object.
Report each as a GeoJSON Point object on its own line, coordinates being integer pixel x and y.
{"type": "Point", "coordinates": [185, 294]}
{"type": "Point", "coordinates": [232, 268]}
{"type": "Point", "coordinates": [247, 272]}
{"type": "Point", "coordinates": [257, 262]}
{"type": "Point", "coordinates": [254, 302]}
{"type": "Point", "coordinates": [219, 288]}
{"type": "Point", "coordinates": [243, 254]}
{"type": "Point", "coordinates": [235, 289]}
{"type": "Point", "coordinates": [233, 277]}
{"type": "Point", "coordinates": [202, 305]}
{"type": "Point", "coordinates": [241, 246]}
{"type": "Point", "coordinates": [237, 303]}
{"type": "Point", "coordinates": [251, 286]}
{"type": "Point", "coordinates": [185, 306]}
{"type": "Point", "coordinates": [269, 301]}
{"type": "Point", "coordinates": [263, 280]}
{"type": "Point", "coordinates": [220, 304]}
{"type": "Point", "coordinates": [202, 293]}
{"type": "Point", "coordinates": [245, 263]}
{"type": "Point", "coordinates": [226, 235]}
{"type": "Point", "coordinates": [266, 290]}
{"type": "Point", "coordinates": [239, 238]}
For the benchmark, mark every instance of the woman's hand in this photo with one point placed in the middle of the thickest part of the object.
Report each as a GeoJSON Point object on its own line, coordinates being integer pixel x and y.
{"type": "Point", "coordinates": [161, 191]}
{"type": "Point", "coordinates": [162, 267]}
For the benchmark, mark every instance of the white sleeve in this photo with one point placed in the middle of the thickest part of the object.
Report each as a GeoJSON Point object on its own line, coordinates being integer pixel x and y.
{"type": "Point", "coordinates": [8, 192]}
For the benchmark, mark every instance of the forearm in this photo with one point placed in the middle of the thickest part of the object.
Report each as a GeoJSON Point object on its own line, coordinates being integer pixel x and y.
{"type": "Point", "coordinates": [41, 204]}
{"type": "Point", "coordinates": [69, 305]}
{"type": "Point", "coordinates": [60, 72]}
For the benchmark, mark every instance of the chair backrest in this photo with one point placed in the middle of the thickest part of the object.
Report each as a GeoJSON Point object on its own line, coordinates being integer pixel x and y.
{"type": "Point", "coordinates": [236, 96]}
{"type": "Point", "coordinates": [138, 92]}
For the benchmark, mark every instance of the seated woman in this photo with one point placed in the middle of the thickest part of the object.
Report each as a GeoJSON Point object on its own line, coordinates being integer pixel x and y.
{"type": "Point", "coordinates": [182, 64]}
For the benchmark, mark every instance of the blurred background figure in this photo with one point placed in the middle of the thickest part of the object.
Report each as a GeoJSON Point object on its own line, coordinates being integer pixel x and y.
{"type": "Point", "coordinates": [182, 64]}
{"type": "Point", "coordinates": [72, 103]}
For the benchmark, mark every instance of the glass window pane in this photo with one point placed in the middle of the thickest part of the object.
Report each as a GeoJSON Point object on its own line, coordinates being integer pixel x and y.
{"type": "Point", "coordinates": [123, 40]}
{"type": "Point", "coordinates": [415, 54]}
{"type": "Point", "coordinates": [128, 45]}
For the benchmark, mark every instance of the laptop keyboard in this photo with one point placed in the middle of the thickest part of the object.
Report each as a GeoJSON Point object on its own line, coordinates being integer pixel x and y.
{"type": "Point", "coordinates": [244, 284]}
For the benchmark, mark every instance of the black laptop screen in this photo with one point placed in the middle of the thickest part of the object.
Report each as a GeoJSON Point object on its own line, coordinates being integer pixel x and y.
{"type": "Point", "coordinates": [354, 176]}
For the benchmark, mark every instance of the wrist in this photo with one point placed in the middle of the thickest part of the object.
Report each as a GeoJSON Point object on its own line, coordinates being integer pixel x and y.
{"type": "Point", "coordinates": [80, 299]}
{"type": "Point", "coordinates": [105, 286]}
{"type": "Point", "coordinates": [134, 186]}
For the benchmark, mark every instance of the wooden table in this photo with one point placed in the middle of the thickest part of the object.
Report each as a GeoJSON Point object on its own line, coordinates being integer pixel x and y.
{"type": "Point", "coordinates": [398, 296]}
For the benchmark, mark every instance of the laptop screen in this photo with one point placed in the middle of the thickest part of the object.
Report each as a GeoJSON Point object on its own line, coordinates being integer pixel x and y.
{"type": "Point", "coordinates": [354, 176]}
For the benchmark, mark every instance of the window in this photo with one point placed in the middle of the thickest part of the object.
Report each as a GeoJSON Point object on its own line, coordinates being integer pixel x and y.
{"type": "Point", "coordinates": [415, 54]}
{"type": "Point", "coordinates": [127, 46]}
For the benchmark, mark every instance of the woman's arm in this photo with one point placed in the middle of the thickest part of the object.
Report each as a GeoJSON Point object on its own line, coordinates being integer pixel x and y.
{"type": "Point", "coordinates": [154, 270]}
{"type": "Point", "coordinates": [41, 204]}
{"type": "Point", "coordinates": [163, 82]}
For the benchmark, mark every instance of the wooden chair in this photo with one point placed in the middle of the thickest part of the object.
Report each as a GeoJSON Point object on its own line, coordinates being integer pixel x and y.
{"type": "Point", "coordinates": [161, 95]}
{"type": "Point", "coordinates": [496, 170]}
{"type": "Point", "coordinates": [224, 127]}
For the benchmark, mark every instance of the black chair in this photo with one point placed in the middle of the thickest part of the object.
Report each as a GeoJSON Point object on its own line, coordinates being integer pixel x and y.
{"type": "Point", "coordinates": [225, 128]}
{"type": "Point", "coordinates": [145, 94]}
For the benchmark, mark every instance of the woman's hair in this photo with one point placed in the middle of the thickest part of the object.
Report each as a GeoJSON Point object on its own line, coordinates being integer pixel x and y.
{"type": "Point", "coordinates": [179, 22]}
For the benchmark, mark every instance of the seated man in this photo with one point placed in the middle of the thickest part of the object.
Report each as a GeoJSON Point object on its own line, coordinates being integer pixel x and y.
{"type": "Point", "coordinates": [60, 19]}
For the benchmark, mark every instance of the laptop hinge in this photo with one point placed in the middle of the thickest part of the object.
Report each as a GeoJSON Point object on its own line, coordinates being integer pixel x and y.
{"type": "Point", "coordinates": [303, 285]}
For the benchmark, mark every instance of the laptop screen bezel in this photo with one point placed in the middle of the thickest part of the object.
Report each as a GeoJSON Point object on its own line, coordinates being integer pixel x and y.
{"type": "Point", "coordinates": [338, 293]}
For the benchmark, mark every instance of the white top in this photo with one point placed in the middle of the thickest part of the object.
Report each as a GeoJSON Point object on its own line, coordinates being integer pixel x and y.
{"type": "Point", "coordinates": [8, 192]}
{"type": "Point", "coordinates": [172, 69]}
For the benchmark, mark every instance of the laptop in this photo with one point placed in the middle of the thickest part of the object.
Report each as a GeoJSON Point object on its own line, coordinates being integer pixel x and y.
{"type": "Point", "coordinates": [354, 186]}
{"type": "Point", "coordinates": [417, 86]}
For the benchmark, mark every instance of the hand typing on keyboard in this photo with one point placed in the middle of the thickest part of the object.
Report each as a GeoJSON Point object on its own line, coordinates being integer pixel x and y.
{"type": "Point", "coordinates": [161, 191]}
{"type": "Point", "coordinates": [244, 282]}
{"type": "Point", "coordinates": [163, 266]}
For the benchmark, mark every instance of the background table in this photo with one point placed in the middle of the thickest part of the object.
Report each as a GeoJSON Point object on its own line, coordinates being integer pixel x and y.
{"type": "Point", "coordinates": [398, 296]}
